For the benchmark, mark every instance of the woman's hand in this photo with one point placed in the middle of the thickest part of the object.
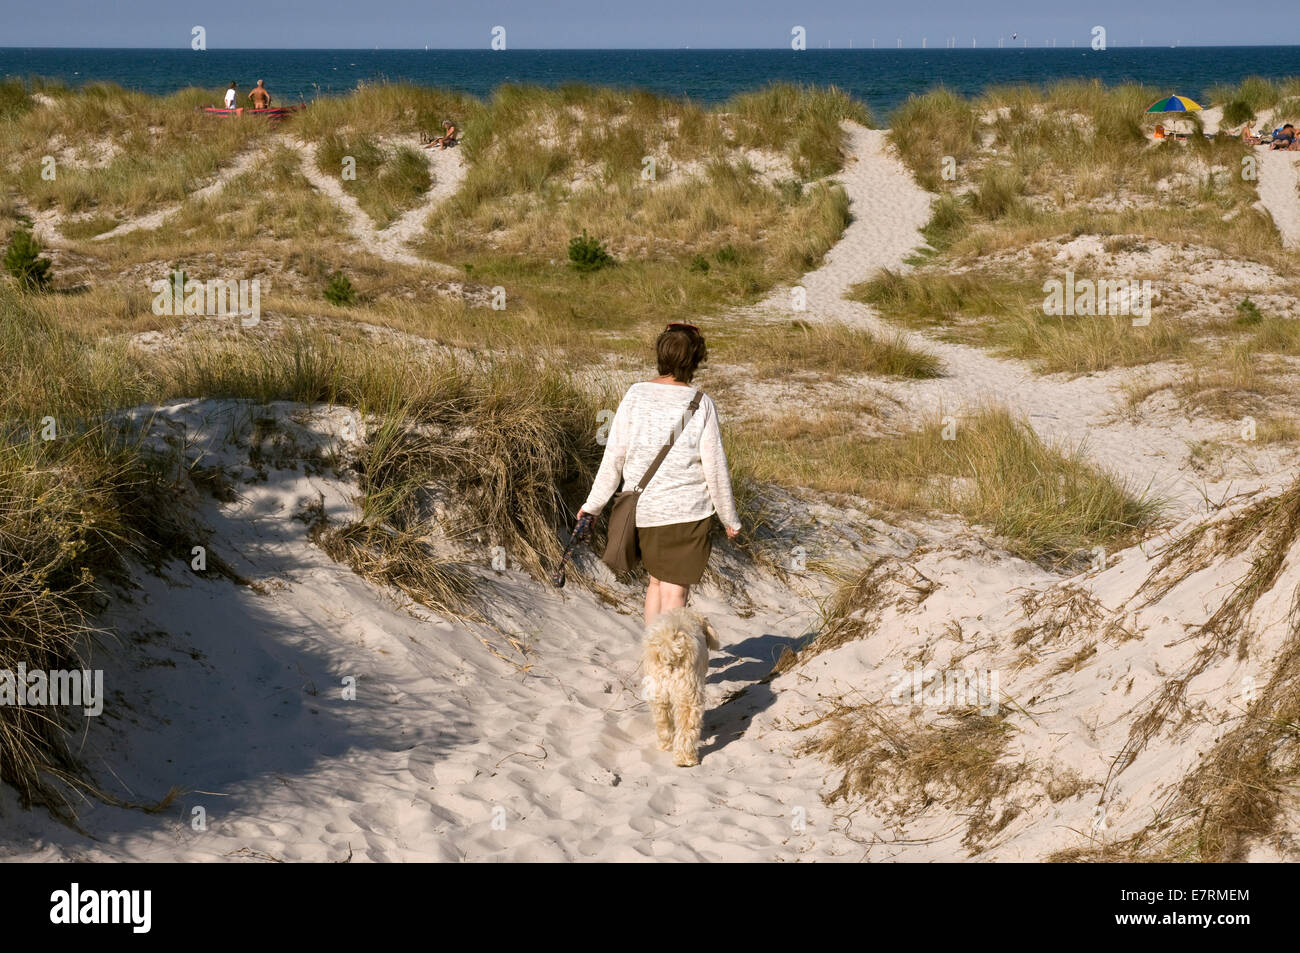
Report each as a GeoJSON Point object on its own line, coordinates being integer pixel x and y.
{"type": "Point", "coordinates": [731, 533]}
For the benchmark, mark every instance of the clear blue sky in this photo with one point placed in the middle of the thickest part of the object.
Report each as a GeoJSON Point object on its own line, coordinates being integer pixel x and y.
{"type": "Point", "coordinates": [626, 24]}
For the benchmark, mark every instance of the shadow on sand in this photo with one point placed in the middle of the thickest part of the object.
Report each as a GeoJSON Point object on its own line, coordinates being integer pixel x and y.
{"type": "Point", "coordinates": [750, 661]}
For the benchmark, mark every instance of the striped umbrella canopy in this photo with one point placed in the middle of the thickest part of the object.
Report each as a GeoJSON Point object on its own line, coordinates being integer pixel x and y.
{"type": "Point", "coordinates": [1175, 104]}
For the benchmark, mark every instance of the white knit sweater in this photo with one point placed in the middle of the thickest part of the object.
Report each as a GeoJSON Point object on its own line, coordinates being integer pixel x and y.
{"type": "Point", "coordinates": [693, 481]}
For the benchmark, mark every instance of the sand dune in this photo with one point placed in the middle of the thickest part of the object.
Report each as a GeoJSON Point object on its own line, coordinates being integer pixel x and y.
{"type": "Point", "coordinates": [48, 221]}
{"type": "Point", "coordinates": [1279, 191]}
{"type": "Point", "coordinates": [391, 243]}
{"type": "Point", "coordinates": [445, 734]}
{"type": "Point", "coordinates": [244, 163]}
{"type": "Point", "coordinates": [526, 740]}
{"type": "Point", "coordinates": [889, 209]}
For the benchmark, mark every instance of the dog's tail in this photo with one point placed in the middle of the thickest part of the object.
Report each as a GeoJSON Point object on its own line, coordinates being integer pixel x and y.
{"type": "Point", "coordinates": [670, 648]}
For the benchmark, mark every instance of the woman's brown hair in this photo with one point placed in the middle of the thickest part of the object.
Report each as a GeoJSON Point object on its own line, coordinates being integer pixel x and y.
{"type": "Point", "coordinates": [680, 350]}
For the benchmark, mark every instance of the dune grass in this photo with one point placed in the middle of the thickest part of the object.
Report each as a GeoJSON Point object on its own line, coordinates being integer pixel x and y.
{"type": "Point", "coordinates": [73, 512]}
{"type": "Point", "coordinates": [513, 441]}
{"type": "Point", "coordinates": [1241, 371]}
{"type": "Point", "coordinates": [386, 109]}
{"type": "Point", "coordinates": [533, 215]}
{"type": "Point", "coordinates": [1245, 100]}
{"type": "Point", "coordinates": [1239, 788]}
{"type": "Point", "coordinates": [14, 98]}
{"type": "Point", "coordinates": [806, 118]}
{"type": "Point", "coordinates": [1074, 158]}
{"type": "Point", "coordinates": [548, 164]}
{"type": "Point", "coordinates": [1006, 315]}
{"type": "Point", "coordinates": [119, 152]}
{"type": "Point", "coordinates": [544, 165]}
{"type": "Point", "coordinates": [929, 127]}
{"type": "Point", "coordinates": [1045, 504]}
{"type": "Point", "coordinates": [904, 764]}
{"type": "Point", "coordinates": [823, 349]}
{"type": "Point", "coordinates": [387, 181]}
{"type": "Point", "coordinates": [1036, 167]}
{"type": "Point", "coordinates": [517, 429]}
{"type": "Point", "coordinates": [655, 236]}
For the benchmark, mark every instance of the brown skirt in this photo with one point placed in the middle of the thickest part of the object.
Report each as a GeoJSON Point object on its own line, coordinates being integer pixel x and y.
{"type": "Point", "coordinates": [676, 553]}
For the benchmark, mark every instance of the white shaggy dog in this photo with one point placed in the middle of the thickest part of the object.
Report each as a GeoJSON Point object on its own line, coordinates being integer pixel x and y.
{"type": "Point", "coordinates": [676, 660]}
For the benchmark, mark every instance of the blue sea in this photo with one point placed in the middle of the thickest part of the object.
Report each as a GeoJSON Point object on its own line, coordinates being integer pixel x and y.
{"type": "Point", "coordinates": [881, 78]}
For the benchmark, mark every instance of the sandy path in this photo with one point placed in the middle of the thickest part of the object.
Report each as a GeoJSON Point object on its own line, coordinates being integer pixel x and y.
{"type": "Point", "coordinates": [889, 209]}
{"type": "Point", "coordinates": [45, 227]}
{"type": "Point", "coordinates": [46, 223]}
{"type": "Point", "coordinates": [1279, 191]}
{"type": "Point", "coordinates": [444, 737]}
{"type": "Point", "coordinates": [153, 220]}
{"type": "Point", "coordinates": [448, 170]}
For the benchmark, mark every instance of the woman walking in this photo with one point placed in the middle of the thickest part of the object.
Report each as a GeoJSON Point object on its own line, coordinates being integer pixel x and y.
{"type": "Point", "coordinates": [676, 508]}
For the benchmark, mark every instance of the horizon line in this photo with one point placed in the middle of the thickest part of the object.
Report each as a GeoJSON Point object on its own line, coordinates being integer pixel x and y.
{"type": "Point", "coordinates": [659, 49]}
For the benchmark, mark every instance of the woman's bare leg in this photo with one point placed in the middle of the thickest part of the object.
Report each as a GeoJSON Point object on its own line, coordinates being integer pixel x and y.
{"type": "Point", "coordinates": [651, 601]}
{"type": "Point", "coordinates": [671, 596]}
{"type": "Point", "coordinates": [661, 596]}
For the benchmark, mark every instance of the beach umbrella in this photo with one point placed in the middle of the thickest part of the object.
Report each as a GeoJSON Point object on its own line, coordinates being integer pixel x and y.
{"type": "Point", "coordinates": [1175, 104]}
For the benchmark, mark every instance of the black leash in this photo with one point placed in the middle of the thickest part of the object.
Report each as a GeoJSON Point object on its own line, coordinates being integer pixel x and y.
{"type": "Point", "coordinates": [581, 533]}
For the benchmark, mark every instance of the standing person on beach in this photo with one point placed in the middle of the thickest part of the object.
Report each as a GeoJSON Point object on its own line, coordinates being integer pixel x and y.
{"type": "Point", "coordinates": [231, 95]}
{"type": "Point", "coordinates": [675, 510]}
{"type": "Point", "coordinates": [260, 95]}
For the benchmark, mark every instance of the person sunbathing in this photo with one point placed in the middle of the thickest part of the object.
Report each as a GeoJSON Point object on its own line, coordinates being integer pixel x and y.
{"type": "Point", "coordinates": [448, 137]}
{"type": "Point", "coordinates": [1285, 137]}
{"type": "Point", "coordinates": [260, 95]}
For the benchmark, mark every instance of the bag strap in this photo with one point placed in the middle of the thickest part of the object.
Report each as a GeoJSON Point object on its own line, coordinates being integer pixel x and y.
{"type": "Point", "coordinates": [663, 451]}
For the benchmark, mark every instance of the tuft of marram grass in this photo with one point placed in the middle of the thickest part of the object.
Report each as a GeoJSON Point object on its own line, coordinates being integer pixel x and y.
{"type": "Point", "coordinates": [388, 181]}
{"type": "Point", "coordinates": [1047, 504]}
{"type": "Point", "coordinates": [1005, 314]}
{"type": "Point", "coordinates": [807, 118]}
{"type": "Point", "coordinates": [833, 349]}
{"type": "Point", "coordinates": [930, 127]}
{"type": "Point", "coordinates": [74, 512]}
{"type": "Point", "coordinates": [1237, 791]}
{"type": "Point", "coordinates": [900, 764]}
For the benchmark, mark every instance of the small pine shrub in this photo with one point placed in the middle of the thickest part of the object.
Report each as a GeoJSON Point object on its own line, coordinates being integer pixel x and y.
{"type": "Point", "coordinates": [727, 255]}
{"type": "Point", "coordinates": [1248, 313]}
{"type": "Point", "coordinates": [24, 262]}
{"type": "Point", "coordinates": [699, 263]}
{"type": "Point", "coordinates": [588, 254]}
{"type": "Point", "coordinates": [339, 290]}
